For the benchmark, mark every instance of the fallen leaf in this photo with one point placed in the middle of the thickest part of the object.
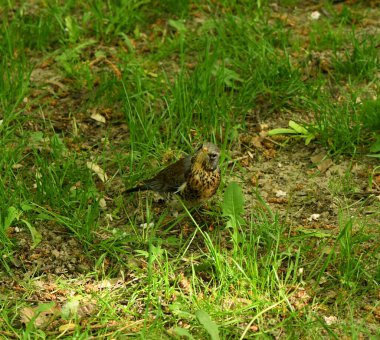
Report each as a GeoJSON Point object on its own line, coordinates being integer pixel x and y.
{"type": "Point", "coordinates": [254, 328]}
{"type": "Point", "coordinates": [102, 203]}
{"type": "Point", "coordinates": [277, 200]}
{"type": "Point", "coordinates": [184, 283]}
{"type": "Point", "coordinates": [256, 142]}
{"type": "Point", "coordinates": [98, 117]}
{"type": "Point", "coordinates": [41, 316]}
{"type": "Point", "coordinates": [114, 68]}
{"type": "Point", "coordinates": [321, 161]}
{"type": "Point", "coordinates": [36, 235]}
{"type": "Point", "coordinates": [17, 166]}
{"type": "Point", "coordinates": [78, 307]}
{"type": "Point", "coordinates": [108, 284]}
{"type": "Point", "coordinates": [313, 217]}
{"type": "Point", "coordinates": [324, 165]}
{"type": "Point", "coordinates": [313, 233]}
{"type": "Point", "coordinates": [300, 298]}
{"type": "Point", "coordinates": [315, 15]}
{"type": "Point", "coordinates": [98, 170]}
{"type": "Point", "coordinates": [330, 320]}
{"type": "Point", "coordinates": [317, 158]}
{"type": "Point", "coordinates": [280, 193]}
{"type": "Point", "coordinates": [254, 180]}
{"type": "Point", "coordinates": [67, 327]}
{"type": "Point", "coordinates": [269, 153]}
{"type": "Point", "coordinates": [147, 225]}
{"type": "Point", "coordinates": [377, 179]}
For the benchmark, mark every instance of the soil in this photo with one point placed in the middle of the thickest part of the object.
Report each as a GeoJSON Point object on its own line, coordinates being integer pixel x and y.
{"type": "Point", "coordinates": [306, 189]}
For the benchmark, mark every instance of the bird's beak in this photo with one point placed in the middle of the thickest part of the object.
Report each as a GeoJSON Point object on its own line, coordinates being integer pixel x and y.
{"type": "Point", "coordinates": [214, 165]}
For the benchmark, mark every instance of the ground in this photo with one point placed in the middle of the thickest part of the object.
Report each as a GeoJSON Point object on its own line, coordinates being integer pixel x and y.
{"type": "Point", "coordinates": [99, 109]}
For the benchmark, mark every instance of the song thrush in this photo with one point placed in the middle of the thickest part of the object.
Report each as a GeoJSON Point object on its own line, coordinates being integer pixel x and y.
{"type": "Point", "coordinates": [194, 178]}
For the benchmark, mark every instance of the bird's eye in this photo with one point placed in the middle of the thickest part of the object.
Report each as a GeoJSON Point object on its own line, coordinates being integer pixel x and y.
{"type": "Point", "coordinates": [212, 156]}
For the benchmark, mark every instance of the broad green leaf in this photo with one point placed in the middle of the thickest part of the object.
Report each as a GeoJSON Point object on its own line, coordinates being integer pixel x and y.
{"type": "Point", "coordinates": [142, 253]}
{"type": "Point", "coordinates": [72, 28]}
{"type": "Point", "coordinates": [71, 307]}
{"type": "Point", "coordinates": [314, 233]}
{"type": "Point", "coordinates": [182, 332]}
{"type": "Point", "coordinates": [177, 309]}
{"type": "Point", "coordinates": [178, 25]}
{"type": "Point", "coordinates": [299, 128]}
{"type": "Point", "coordinates": [38, 317]}
{"type": "Point", "coordinates": [43, 307]}
{"type": "Point", "coordinates": [13, 214]}
{"type": "Point", "coordinates": [128, 42]}
{"type": "Point", "coordinates": [375, 147]}
{"type": "Point", "coordinates": [282, 131]}
{"type": "Point", "coordinates": [309, 138]}
{"type": "Point", "coordinates": [36, 136]}
{"type": "Point", "coordinates": [210, 326]}
{"type": "Point", "coordinates": [36, 235]}
{"type": "Point", "coordinates": [233, 201]}
{"type": "Point", "coordinates": [26, 207]}
{"type": "Point", "coordinates": [230, 77]}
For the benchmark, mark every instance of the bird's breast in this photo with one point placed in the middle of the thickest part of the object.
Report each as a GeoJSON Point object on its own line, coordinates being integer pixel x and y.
{"type": "Point", "coordinates": [202, 184]}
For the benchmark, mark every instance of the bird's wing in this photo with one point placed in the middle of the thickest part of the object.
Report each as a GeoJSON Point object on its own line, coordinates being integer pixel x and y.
{"type": "Point", "coordinates": [171, 178]}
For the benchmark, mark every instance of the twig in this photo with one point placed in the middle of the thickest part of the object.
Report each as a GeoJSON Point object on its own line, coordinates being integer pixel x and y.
{"type": "Point", "coordinates": [237, 159]}
{"type": "Point", "coordinates": [97, 327]}
{"type": "Point", "coordinates": [120, 329]}
{"type": "Point", "coordinates": [9, 334]}
{"type": "Point", "coordinates": [364, 193]}
{"type": "Point", "coordinates": [240, 158]}
{"type": "Point", "coordinates": [273, 141]}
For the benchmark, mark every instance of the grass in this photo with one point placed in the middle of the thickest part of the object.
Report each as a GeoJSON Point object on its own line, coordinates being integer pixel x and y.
{"type": "Point", "coordinates": [80, 259]}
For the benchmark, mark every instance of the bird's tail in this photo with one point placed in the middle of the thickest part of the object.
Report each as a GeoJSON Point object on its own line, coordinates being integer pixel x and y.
{"type": "Point", "coordinates": [138, 188]}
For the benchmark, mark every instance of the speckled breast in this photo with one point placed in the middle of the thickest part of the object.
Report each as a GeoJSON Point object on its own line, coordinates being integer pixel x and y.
{"type": "Point", "coordinates": [201, 185]}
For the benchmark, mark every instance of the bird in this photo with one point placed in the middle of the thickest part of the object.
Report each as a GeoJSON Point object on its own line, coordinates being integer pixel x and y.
{"type": "Point", "coordinates": [193, 178]}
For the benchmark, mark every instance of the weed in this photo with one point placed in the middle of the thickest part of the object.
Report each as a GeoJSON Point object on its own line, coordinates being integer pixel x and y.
{"type": "Point", "coordinates": [96, 95]}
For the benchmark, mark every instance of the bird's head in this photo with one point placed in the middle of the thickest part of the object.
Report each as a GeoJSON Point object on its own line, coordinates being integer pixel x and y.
{"type": "Point", "coordinates": [206, 157]}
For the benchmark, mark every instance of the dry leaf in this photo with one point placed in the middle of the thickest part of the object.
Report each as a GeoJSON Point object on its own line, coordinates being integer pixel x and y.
{"type": "Point", "coordinates": [300, 298]}
{"type": "Point", "coordinates": [269, 153]}
{"type": "Point", "coordinates": [41, 318]}
{"type": "Point", "coordinates": [105, 284]}
{"type": "Point", "coordinates": [98, 117]}
{"type": "Point", "coordinates": [78, 307]}
{"type": "Point", "coordinates": [377, 179]}
{"type": "Point", "coordinates": [315, 15]}
{"type": "Point", "coordinates": [321, 161]}
{"type": "Point", "coordinates": [313, 217]}
{"type": "Point", "coordinates": [317, 158]}
{"type": "Point", "coordinates": [147, 225]}
{"type": "Point", "coordinates": [184, 283]}
{"type": "Point", "coordinates": [26, 314]}
{"type": "Point", "coordinates": [330, 320]}
{"type": "Point", "coordinates": [114, 68]}
{"type": "Point", "coordinates": [280, 193]}
{"type": "Point", "coordinates": [254, 180]}
{"type": "Point", "coordinates": [256, 142]}
{"type": "Point", "coordinates": [102, 203]}
{"type": "Point", "coordinates": [67, 328]}
{"type": "Point", "coordinates": [254, 328]}
{"type": "Point", "coordinates": [98, 170]}
{"type": "Point", "coordinates": [324, 165]}
{"type": "Point", "coordinates": [277, 200]}
{"type": "Point", "coordinates": [17, 166]}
